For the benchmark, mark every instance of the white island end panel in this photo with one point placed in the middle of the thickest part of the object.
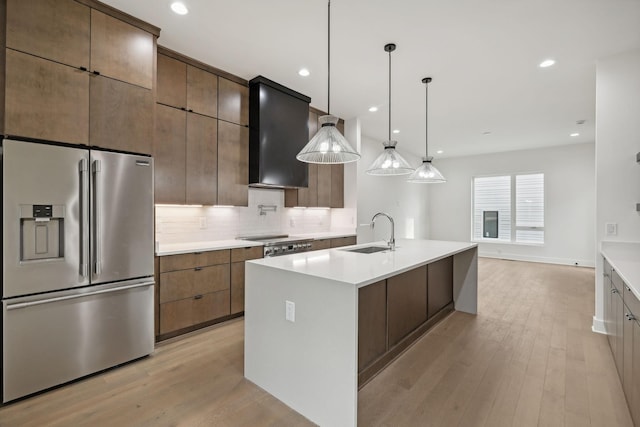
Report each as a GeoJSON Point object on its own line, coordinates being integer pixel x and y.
{"type": "Point", "coordinates": [309, 364]}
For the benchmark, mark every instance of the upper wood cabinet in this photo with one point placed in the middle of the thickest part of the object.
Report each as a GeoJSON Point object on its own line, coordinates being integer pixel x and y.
{"type": "Point", "coordinates": [233, 102]}
{"type": "Point", "coordinates": [121, 116]}
{"type": "Point", "coordinates": [170, 155]}
{"type": "Point", "coordinates": [45, 99]}
{"type": "Point", "coordinates": [233, 164]}
{"type": "Point", "coordinates": [58, 30]}
{"type": "Point", "coordinates": [76, 74]}
{"type": "Point", "coordinates": [187, 87]}
{"type": "Point", "coordinates": [121, 51]}
{"type": "Point", "coordinates": [201, 160]}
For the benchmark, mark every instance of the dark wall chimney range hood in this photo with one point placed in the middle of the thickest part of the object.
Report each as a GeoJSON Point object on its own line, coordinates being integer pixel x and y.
{"type": "Point", "coordinates": [278, 130]}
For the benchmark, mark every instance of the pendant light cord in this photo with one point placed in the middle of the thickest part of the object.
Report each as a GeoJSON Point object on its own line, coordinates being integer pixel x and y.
{"type": "Point", "coordinates": [329, 57]}
{"type": "Point", "coordinates": [426, 81]}
{"type": "Point", "coordinates": [389, 95]}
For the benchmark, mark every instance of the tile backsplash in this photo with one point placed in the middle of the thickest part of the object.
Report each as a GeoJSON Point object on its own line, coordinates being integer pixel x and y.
{"type": "Point", "coordinates": [178, 224]}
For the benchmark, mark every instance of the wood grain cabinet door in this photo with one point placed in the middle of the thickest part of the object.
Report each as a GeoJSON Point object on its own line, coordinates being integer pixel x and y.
{"type": "Point", "coordinates": [121, 51]}
{"type": "Point", "coordinates": [406, 303]}
{"type": "Point", "coordinates": [202, 92]}
{"type": "Point", "coordinates": [172, 82]}
{"type": "Point", "coordinates": [58, 30]}
{"type": "Point", "coordinates": [233, 102]}
{"type": "Point", "coordinates": [46, 100]}
{"type": "Point", "coordinates": [202, 160]}
{"type": "Point", "coordinates": [324, 186]}
{"type": "Point", "coordinates": [170, 152]}
{"type": "Point", "coordinates": [440, 285]}
{"type": "Point", "coordinates": [372, 323]}
{"type": "Point", "coordinates": [233, 164]}
{"type": "Point", "coordinates": [121, 116]}
{"type": "Point", "coordinates": [634, 401]}
{"type": "Point", "coordinates": [237, 287]}
{"type": "Point", "coordinates": [337, 186]}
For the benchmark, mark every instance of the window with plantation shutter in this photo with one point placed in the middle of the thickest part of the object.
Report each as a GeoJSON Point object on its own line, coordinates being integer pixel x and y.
{"type": "Point", "coordinates": [509, 209]}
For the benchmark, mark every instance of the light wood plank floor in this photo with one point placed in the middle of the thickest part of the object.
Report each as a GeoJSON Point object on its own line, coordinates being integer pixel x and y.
{"type": "Point", "coordinates": [528, 358]}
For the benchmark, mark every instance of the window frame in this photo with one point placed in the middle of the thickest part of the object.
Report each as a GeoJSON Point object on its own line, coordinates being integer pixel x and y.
{"type": "Point", "coordinates": [514, 213]}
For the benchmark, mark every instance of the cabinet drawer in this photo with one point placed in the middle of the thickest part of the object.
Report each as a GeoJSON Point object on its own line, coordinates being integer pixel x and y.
{"type": "Point", "coordinates": [243, 254]}
{"type": "Point", "coordinates": [192, 311]}
{"type": "Point", "coordinates": [317, 245]}
{"type": "Point", "coordinates": [632, 303]}
{"type": "Point", "coordinates": [192, 260]}
{"type": "Point", "coordinates": [343, 241]}
{"type": "Point", "coordinates": [617, 281]}
{"type": "Point", "coordinates": [181, 284]}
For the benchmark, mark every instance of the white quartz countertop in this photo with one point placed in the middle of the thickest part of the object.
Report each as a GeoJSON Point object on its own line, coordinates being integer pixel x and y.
{"type": "Point", "coordinates": [625, 259]}
{"type": "Point", "coordinates": [214, 245]}
{"type": "Point", "coordinates": [363, 269]}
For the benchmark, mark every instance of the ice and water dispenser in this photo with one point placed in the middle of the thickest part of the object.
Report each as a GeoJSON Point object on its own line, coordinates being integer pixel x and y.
{"type": "Point", "coordinates": [41, 232]}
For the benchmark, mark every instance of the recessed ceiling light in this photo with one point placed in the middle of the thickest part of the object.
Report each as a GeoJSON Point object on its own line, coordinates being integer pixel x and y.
{"type": "Point", "coordinates": [396, 131]}
{"type": "Point", "coordinates": [575, 134]}
{"type": "Point", "coordinates": [373, 109]}
{"type": "Point", "coordinates": [439, 152]}
{"type": "Point", "coordinates": [179, 8]}
{"type": "Point", "coordinates": [547, 63]}
{"type": "Point", "coordinates": [304, 72]}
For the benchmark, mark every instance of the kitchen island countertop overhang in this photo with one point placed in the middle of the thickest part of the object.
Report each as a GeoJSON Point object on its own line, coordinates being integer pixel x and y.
{"type": "Point", "coordinates": [302, 319]}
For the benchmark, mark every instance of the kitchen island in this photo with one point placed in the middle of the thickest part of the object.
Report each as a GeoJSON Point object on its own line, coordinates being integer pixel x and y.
{"type": "Point", "coordinates": [315, 322]}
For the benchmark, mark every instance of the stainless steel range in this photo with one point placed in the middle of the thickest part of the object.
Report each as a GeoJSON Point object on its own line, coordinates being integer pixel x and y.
{"type": "Point", "coordinates": [276, 245]}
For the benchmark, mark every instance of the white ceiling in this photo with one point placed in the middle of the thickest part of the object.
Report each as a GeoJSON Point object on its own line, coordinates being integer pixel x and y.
{"type": "Point", "coordinates": [483, 56]}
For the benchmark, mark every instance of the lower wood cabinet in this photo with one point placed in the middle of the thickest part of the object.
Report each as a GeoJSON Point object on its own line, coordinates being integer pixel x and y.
{"type": "Point", "coordinates": [343, 241]}
{"type": "Point", "coordinates": [238, 257]}
{"type": "Point", "coordinates": [394, 313]}
{"type": "Point", "coordinates": [622, 325]}
{"type": "Point", "coordinates": [372, 322]}
{"type": "Point", "coordinates": [194, 289]}
{"type": "Point", "coordinates": [318, 245]}
{"type": "Point", "coordinates": [406, 303]}
{"type": "Point", "coordinates": [439, 291]}
{"type": "Point", "coordinates": [198, 289]}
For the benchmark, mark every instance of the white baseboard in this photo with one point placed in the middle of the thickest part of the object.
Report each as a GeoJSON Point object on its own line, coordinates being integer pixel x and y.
{"type": "Point", "coordinates": [546, 260]}
{"type": "Point", "coordinates": [598, 326]}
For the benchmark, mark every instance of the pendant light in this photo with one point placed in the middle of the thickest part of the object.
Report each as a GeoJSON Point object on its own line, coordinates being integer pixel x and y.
{"type": "Point", "coordinates": [426, 173]}
{"type": "Point", "coordinates": [328, 146]}
{"type": "Point", "coordinates": [390, 162]}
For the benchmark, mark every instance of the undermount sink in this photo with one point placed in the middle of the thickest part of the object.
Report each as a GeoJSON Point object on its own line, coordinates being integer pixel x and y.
{"type": "Point", "coordinates": [368, 249]}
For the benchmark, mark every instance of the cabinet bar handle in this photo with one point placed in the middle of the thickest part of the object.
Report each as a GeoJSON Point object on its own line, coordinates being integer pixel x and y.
{"type": "Point", "coordinates": [82, 68]}
{"type": "Point", "coordinates": [97, 73]}
{"type": "Point", "coordinates": [198, 297]}
{"type": "Point", "coordinates": [198, 268]}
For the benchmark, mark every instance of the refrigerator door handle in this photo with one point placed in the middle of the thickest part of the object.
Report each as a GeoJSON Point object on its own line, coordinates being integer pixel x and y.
{"type": "Point", "coordinates": [81, 295]}
{"type": "Point", "coordinates": [84, 215]}
{"type": "Point", "coordinates": [97, 232]}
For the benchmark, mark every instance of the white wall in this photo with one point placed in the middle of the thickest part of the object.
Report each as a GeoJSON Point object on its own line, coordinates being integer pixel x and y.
{"type": "Point", "coordinates": [406, 203]}
{"type": "Point", "coordinates": [617, 142]}
{"type": "Point", "coordinates": [569, 199]}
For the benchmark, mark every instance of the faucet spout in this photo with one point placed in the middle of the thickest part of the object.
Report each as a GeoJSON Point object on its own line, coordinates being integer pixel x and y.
{"type": "Point", "coordinates": [392, 240]}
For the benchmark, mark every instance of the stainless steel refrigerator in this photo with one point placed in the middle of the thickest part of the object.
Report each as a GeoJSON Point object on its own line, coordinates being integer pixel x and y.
{"type": "Point", "coordinates": [77, 255]}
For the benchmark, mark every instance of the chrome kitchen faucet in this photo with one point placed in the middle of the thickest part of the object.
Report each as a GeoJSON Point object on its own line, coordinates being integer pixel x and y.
{"type": "Point", "coordinates": [392, 241]}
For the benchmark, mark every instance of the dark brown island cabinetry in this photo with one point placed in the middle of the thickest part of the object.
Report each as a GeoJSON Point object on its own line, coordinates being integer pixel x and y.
{"type": "Point", "coordinates": [199, 289]}
{"type": "Point", "coordinates": [79, 72]}
{"type": "Point", "coordinates": [326, 182]}
{"type": "Point", "coordinates": [622, 325]}
{"type": "Point", "coordinates": [202, 141]}
{"type": "Point", "coordinates": [394, 313]}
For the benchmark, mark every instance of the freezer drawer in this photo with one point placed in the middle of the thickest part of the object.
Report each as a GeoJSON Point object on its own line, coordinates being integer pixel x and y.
{"type": "Point", "coordinates": [70, 334]}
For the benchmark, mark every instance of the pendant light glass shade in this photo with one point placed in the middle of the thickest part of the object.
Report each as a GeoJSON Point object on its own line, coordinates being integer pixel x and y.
{"type": "Point", "coordinates": [328, 146]}
{"type": "Point", "coordinates": [390, 162]}
{"type": "Point", "coordinates": [426, 173]}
